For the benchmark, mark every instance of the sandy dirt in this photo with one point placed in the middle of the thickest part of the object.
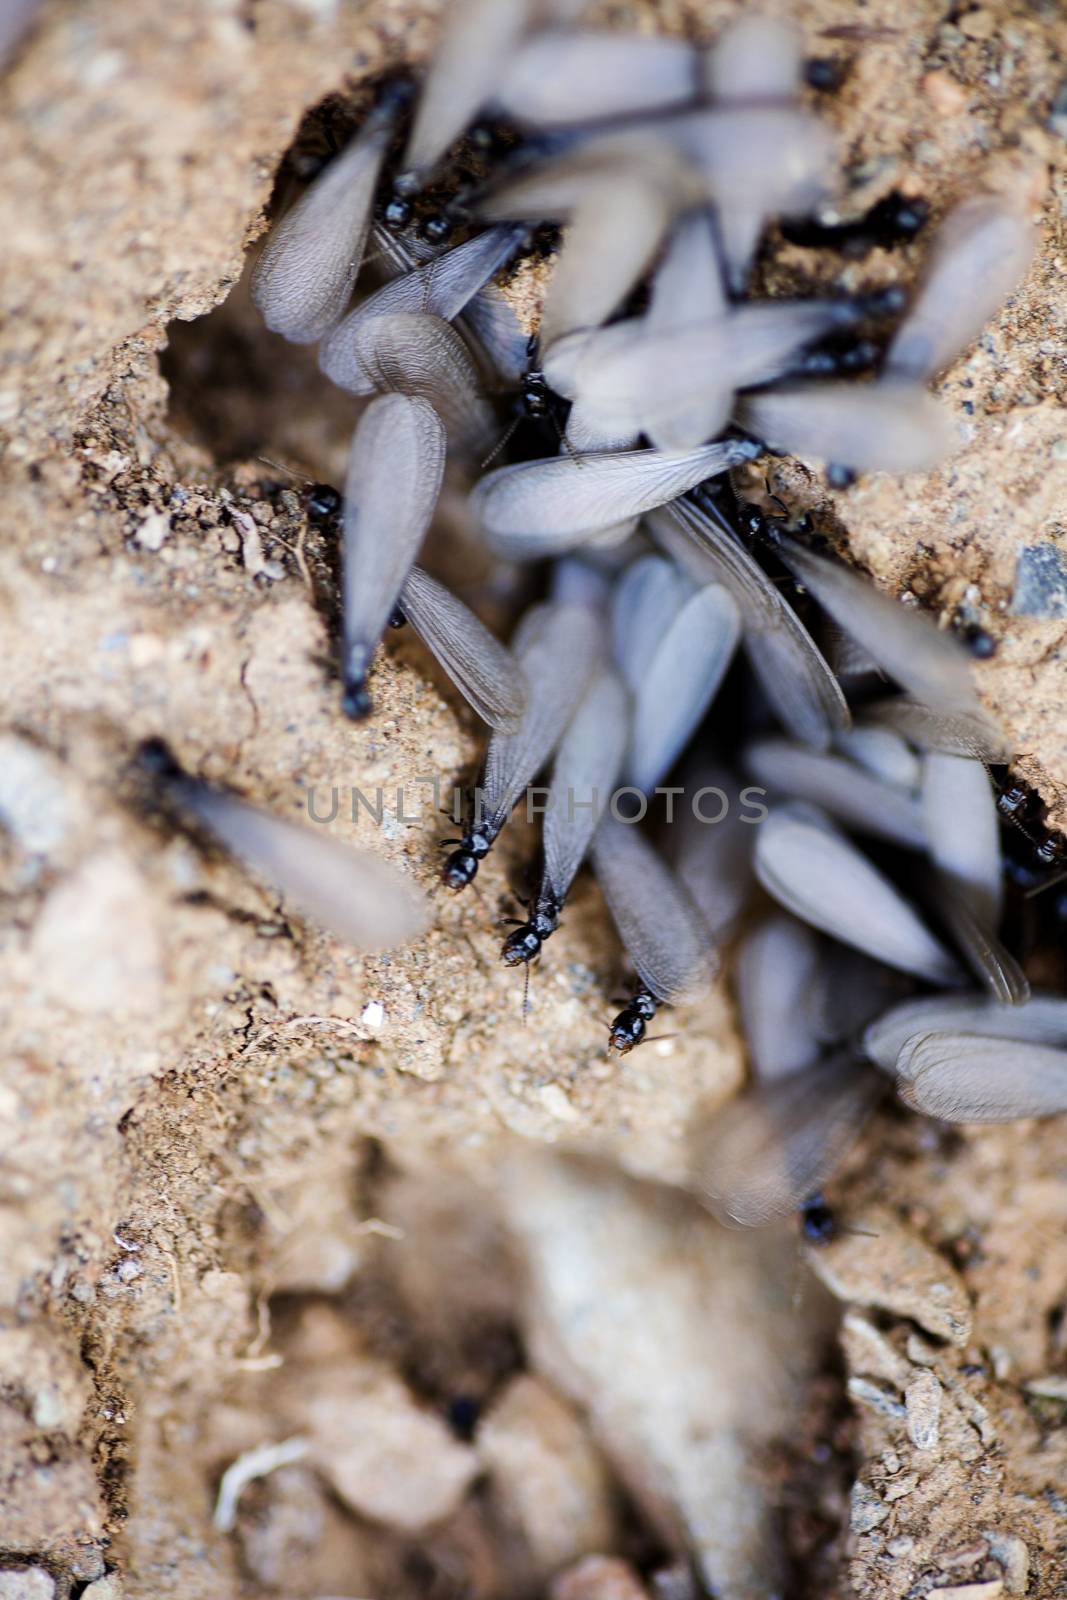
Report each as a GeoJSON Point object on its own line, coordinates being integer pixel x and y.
{"type": "Point", "coordinates": [256, 1192]}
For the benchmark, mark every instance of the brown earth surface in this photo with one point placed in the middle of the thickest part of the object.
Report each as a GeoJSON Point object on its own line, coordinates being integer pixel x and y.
{"type": "Point", "coordinates": [255, 1191]}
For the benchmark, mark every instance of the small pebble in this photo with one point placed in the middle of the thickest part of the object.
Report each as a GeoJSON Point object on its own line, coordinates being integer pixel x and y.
{"type": "Point", "coordinates": [978, 24]}
{"type": "Point", "coordinates": [922, 1400]}
{"type": "Point", "coordinates": [901, 1487]}
{"type": "Point", "coordinates": [866, 1510]}
{"type": "Point", "coordinates": [153, 530]}
{"type": "Point", "coordinates": [1012, 1555]}
{"type": "Point", "coordinates": [944, 93]}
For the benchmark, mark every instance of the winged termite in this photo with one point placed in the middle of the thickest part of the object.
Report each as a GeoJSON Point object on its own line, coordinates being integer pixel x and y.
{"type": "Point", "coordinates": [856, 798]}
{"type": "Point", "coordinates": [413, 353]}
{"type": "Point", "coordinates": [679, 682]}
{"type": "Point", "coordinates": [775, 973]}
{"type": "Point", "coordinates": [877, 427]}
{"type": "Point", "coordinates": [710, 844]}
{"type": "Point", "coordinates": [676, 385]}
{"type": "Point", "coordinates": [304, 277]}
{"type": "Point", "coordinates": [556, 650]}
{"type": "Point", "coordinates": [483, 670]}
{"type": "Point", "coordinates": [394, 476]}
{"type": "Point", "coordinates": [477, 41]}
{"type": "Point", "coordinates": [664, 935]}
{"type": "Point", "coordinates": [540, 508]}
{"type": "Point", "coordinates": [442, 287]}
{"type": "Point", "coordinates": [906, 643]}
{"type": "Point", "coordinates": [583, 776]}
{"type": "Point", "coordinates": [352, 893]}
{"type": "Point", "coordinates": [756, 59]}
{"type": "Point", "coordinates": [981, 251]}
{"type": "Point", "coordinates": [964, 1077]}
{"type": "Point", "coordinates": [815, 872]}
{"type": "Point", "coordinates": [766, 1152]}
{"type": "Point", "coordinates": [561, 77]}
{"type": "Point", "coordinates": [792, 671]}
{"type": "Point", "coordinates": [1041, 1020]}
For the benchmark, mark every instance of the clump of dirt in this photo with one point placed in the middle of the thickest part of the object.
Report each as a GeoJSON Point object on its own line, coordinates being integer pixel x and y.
{"type": "Point", "coordinates": [257, 1195]}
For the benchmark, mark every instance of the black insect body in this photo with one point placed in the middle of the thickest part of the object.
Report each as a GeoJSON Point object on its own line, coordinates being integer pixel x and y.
{"type": "Point", "coordinates": [894, 220]}
{"type": "Point", "coordinates": [825, 74]}
{"type": "Point", "coordinates": [461, 868]}
{"type": "Point", "coordinates": [323, 502]}
{"type": "Point", "coordinates": [524, 943]}
{"type": "Point", "coordinates": [628, 1029]}
{"type": "Point", "coordinates": [354, 894]}
{"type": "Point", "coordinates": [397, 213]}
{"type": "Point", "coordinates": [584, 773]}
{"type": "Point", "coordinates": [556, 651]}
{"type": "Point", "coordinates": [818, 1224]}
{"type": "Point", "coordinates": [537, 397]}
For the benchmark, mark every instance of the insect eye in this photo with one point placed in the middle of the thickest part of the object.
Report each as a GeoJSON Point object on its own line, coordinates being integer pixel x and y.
{"type": "Point", "coordinates": [397, 213]}
{"type": "Point", "coordinates": [323, 501]}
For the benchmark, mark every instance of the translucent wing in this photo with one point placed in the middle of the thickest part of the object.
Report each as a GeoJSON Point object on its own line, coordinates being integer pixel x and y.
{"type": "Point", "coordinates": [441, 287]}
{"type": "Point", "coordinates": [557, 648]}
{"type": "Point", "coordinates": [793, 672]}
{"type": "Point", "coordinates": [755, 57]}
{"type": "Point", "coordinates": [664, 934]}
{"type": "Point", "coordinates": [1042, 1020]}
{"type": "Point", "coordinates": [615, 230]}
{"type": "Point", "coordinates": [906, 643]}
{"type": "Point", "coordinates": [711, 847]}
{"type": "Point", "coordinates": [559, 77]}
{"type": "Point", "coordinates": [962, 1077]}
{"type": "Point", "coordinates": [682, 679]}
{"type": "Point", "coordinates": [586, 432]}
{"type": "Point", "coordinates": [777, 1143]}
{"type": "Point", "coordinates": [583, 777]}
{"type": "Point", "coordinates": [982, 250]}
{"type": "Point", "coordinates": [957, 733]}
{"type": "Point", "coordinates": [687, 285]}
{"type": "Point", "coordinates": [477, 41]}
{"type": "Point", "coordinates": [409, 352]}
{"type": "Point", "coordinates": [353, 894]}
{"type": "Point", "coordinates": [394, 477]}
{"type": "Point", "coordinates": [677, 385]}
{"type": "Point", "coordinates": [882, 753]}
{"type": "Point", "coordinates": [499, 333]}
{"type": "Point", "coordinates": [876, 427]}
{"type": "Point", "coordinates": [758, 160]}
{"type": "Point", "coordinates": [776, 971]}
{"type": "Point", "coordinates": [816, 873]}
{"type": "Point", "coordinates": [645, 601]}
{"type": "Point", "coordinates": [306, 272]}
{"type": "Point", "coordinates": [540, 508]}
{"type": "Point", "coordinates": [990, 961]}
{"type": "Point", "coordinates": [961, 823]}
{"type": "Point", "coordinates": [550, 189]}
{"type": "Point", "coordinates": [484, 671]}
{"type": "Point", "coordinates": [857, 799]}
